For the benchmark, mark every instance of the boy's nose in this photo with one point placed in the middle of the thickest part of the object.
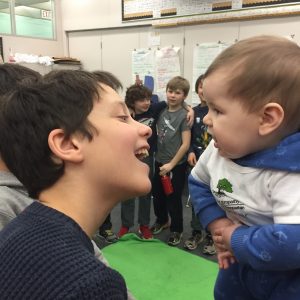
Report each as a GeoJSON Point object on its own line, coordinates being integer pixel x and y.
{"type": "Point", "coordinates": [145, 130]}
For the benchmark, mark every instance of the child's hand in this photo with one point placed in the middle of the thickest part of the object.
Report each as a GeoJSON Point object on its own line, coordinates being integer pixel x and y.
{"type": "Point", "coordinates": [224, 255]}
{"type": "Point", "coordinates": [225, 259]}
{"type": "Point", "coordinates": [165, 169]}
{"type": "Point", "coordinates": [218, 223]}
{"type": "Point", "coordinates": [222, 239]}
{"type": "Point", "coordinates": [222, 236]}
{"type": "Point", "coordinates": [192, 159]}
{"type": "Point", "coordinates": [190, 117]}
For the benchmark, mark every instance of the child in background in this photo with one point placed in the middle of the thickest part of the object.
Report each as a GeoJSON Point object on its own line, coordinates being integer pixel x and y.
{"type": "Point", "coordinates": [13, 196]}
{"type": "Point", "coordinates": [199, 141]}
{"type": "Point", "coordinates": [63, 123]}
{"type": "Point", "coordinates": [138, 101]}
{"type": "Point", "coordinates": [251, 169]}
{"type": "Point", "coordinates": [174, 136]}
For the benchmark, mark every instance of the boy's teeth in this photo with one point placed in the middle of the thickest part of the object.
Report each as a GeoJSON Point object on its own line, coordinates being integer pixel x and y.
{"type": "Point", "coordinates": [142, 153]}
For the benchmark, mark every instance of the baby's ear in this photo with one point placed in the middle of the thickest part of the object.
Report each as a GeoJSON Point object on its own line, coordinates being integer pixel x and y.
{"type": "Point", "coordinates": [272, 115]}
{"type": "Point", "coordinates": [65, 148]}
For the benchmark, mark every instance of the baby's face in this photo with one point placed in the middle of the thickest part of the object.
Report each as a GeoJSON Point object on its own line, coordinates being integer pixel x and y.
{"type": "Point", "coordinates": [233, 129]}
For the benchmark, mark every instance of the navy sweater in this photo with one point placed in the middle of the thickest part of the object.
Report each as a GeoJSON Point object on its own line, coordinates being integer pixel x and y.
{"type": "Point", "coordinates": [45, 255]}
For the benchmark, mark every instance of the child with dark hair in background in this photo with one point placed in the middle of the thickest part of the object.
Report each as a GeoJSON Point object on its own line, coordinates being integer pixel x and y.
{"type": "Point", "coordinates": [199, 141]}
{"type": "Point", "coordinates": [13, 196]}
{"type": "Point", "coordinates": [138, 100]}
{"type": "Point", "coordinates": [76, 132]}
{"type": "Point", "coordinates": [174, 136]}
{"type": "Point", "coordinates": [245, 186]}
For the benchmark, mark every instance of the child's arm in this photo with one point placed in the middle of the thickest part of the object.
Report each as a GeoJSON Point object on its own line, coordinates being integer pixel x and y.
{"type": "Point", "coordinates": [204, 203]}
{"type": "Point", "coordinates": [186, 139]}
{"type": "Point", "coordinates": [190, 115]}
{"type": "Point", "coordinates": [267, 247]}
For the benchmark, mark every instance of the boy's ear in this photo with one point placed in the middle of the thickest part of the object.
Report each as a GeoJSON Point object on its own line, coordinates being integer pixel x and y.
{"type": "Point", "coordinates": [65, 148]}
{"type": "Point", "coordinates": [271, 118]}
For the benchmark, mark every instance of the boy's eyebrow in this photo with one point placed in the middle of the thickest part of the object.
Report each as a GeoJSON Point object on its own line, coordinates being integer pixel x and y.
{"type": "Point", "coordinates": [123, 105]}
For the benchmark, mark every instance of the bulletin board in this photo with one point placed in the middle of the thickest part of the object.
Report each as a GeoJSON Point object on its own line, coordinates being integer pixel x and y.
{"type": "Point", "coordinates": [189, 12]}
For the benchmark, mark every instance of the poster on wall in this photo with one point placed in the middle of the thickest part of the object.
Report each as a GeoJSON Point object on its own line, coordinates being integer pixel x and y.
{"type": "Point", "coordinates": [142, 64]}
{"type": "Point", "coordinates": [155, 67]}
{"type": "Point", "coordinates": [203, 55]}
{"type": "Point", "coordinates": [167, 66]}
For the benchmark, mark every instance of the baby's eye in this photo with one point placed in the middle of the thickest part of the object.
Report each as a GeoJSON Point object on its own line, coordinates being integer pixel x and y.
{"type": "Point", "coordinates": [216, 111]}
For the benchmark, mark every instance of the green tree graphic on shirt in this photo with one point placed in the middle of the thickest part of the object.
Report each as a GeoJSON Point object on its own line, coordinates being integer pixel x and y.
{"type": "Point", "coordinates": [224, 185]}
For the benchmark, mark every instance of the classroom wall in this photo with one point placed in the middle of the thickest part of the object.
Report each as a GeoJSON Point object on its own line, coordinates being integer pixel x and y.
{"type": "Point", "coordinates": [102, 41]}
{"type": "Point", "coordinates": [36, 46]}
{"type": "Point", "coordinates": [91, 14]}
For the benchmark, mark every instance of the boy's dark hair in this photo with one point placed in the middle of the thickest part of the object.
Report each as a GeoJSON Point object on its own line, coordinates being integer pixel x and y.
{"type": "Point", "coordinates": [108, 79]}
{"type": "Point", "coordinates": [136, 92]}
{"type": "Point", "coordinates": [12, 75]}
{"type": "Point", "coordinates": [198, 82]}
{"type": "Point", "coordinates": [63, 99]}
{"type": "Point", "coordinates": [179, 83]}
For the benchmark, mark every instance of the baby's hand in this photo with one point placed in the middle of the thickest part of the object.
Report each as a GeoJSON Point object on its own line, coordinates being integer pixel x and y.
{"type": "Point", "coordinates": [222, 239]}
{"type": "Point", "coordinates": [225, 259]}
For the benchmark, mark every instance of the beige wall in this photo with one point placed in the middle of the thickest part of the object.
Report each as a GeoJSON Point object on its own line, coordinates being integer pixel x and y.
{"type": "Point", "coordinates": [93, 14]}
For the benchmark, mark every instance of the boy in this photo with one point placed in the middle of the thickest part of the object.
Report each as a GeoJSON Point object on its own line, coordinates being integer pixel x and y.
{"type": "Point", "coordinates": [76, 133]}
{"type": "Point", "coordinates": [13, 196]}
{"type": "Point", "coordinates": [199, 141]}
{"type": "Point", "coordinates": [174, 136]}
{"type": "Point", "coordinates": [138, 101]}
{"type": "Point", "coordinates": [251, 169]}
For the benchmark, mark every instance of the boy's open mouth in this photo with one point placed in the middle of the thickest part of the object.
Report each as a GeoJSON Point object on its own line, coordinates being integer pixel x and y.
{"type": "Point", "coordinates": [142, 153]}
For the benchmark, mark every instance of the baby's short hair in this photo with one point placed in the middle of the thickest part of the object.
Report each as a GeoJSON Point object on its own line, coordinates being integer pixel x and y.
{"type": "Point", "coordinates": [260, 70]}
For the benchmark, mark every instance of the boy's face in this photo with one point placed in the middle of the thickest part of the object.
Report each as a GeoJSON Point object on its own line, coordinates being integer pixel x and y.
{"type": "Point", "coordinates": [234, 130]}
{"type": "Point", "coordinates": [175, 98]}
{"type": "Point", "coordinates": [142, 105]}
{"type": "Point", "coordinates": [112, 158]}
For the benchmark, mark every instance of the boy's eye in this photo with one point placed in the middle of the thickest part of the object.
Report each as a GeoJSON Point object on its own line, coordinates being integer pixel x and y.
{"type": "Point", "coordinates": [123, 118]}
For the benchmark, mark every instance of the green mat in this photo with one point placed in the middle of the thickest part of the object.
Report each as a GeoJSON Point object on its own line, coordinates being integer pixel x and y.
{"type": "Point", "coordinates": [154, 270]}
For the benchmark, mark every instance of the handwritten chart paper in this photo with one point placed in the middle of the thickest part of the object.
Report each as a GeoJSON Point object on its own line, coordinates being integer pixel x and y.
{"type": "Point", "coordinates": [203, 56]}
{"type": "Point", "coordinates": [167, 66]}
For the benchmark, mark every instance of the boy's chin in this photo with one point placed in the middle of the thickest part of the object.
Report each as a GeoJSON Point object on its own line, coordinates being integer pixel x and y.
{"type": "Point", "coordinates": [141, 189]}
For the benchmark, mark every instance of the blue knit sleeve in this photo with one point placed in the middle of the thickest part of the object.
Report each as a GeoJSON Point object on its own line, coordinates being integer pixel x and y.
{"type": "Point", "coordinates": [268, 247]}
{"type": "Point", "coordinates": [204, 203]}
